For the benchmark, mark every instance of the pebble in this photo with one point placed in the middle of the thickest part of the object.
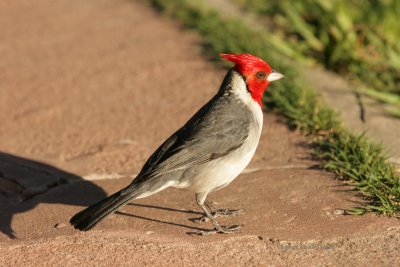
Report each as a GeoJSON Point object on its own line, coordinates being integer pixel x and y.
{"type": "Point", "coordinates": [60, 225]}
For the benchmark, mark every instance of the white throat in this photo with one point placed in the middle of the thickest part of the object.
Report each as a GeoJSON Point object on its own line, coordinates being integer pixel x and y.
{"type": "Point", "coordinates": [239, 88]}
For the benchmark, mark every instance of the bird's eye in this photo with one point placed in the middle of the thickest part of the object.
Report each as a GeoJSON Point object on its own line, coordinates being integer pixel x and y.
{"type": "Point", "coordinates": [260, 75]}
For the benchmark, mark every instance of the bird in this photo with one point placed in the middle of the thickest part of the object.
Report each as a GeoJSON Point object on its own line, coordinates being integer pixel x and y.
{"type": "Point", "coordinates": [208, 152]}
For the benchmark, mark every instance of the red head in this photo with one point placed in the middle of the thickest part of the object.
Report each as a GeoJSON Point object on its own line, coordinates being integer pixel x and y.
{"type": "Point", "coordinates": [257, 72]}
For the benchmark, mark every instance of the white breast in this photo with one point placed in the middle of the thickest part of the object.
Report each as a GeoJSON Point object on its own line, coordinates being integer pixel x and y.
{"type": "Point", "coordinates": [224, 170]}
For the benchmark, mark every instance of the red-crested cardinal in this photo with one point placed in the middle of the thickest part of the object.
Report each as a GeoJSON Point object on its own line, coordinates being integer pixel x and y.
{"type": "Point", "coordinates": [208, 152]}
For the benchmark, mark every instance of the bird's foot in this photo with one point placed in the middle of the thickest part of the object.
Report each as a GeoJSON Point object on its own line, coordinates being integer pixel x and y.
{"type": "Point", "coordinates": [229, 229]}
{"type": "Point", "coordinates": [218, 213]}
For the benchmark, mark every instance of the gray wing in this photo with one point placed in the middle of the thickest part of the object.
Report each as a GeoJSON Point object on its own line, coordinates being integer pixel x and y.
{"type": "Point", "coordinates": [216, 129]}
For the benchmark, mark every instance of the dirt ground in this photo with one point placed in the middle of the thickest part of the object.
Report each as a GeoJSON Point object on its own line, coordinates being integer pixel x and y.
{"type": "Point", "coordinates": [88, 90]}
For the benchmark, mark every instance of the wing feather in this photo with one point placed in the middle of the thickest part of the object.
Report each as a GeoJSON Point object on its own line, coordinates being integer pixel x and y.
{"type": "Point", "coordinates": [215, 130]}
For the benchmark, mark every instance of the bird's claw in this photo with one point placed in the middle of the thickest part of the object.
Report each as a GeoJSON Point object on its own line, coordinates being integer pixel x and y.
{"type": "Point", "coordinates": [230, 229]}
{"type": "Point", "coordinates": [201, 219]}
{"type": "Point", "coordinates": [218, 213]}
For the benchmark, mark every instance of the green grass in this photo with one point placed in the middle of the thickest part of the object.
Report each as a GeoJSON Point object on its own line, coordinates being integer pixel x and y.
{"type": "Point", "coordinates": [352, 158]}
{"type": "Point", "coordinates": [356, 37]}
{"type": "Point", "coordinates": [363, 164]}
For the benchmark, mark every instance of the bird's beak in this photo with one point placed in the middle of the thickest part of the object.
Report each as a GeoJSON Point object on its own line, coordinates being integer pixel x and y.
{"type": "Point", "coordinates": [274, 76]}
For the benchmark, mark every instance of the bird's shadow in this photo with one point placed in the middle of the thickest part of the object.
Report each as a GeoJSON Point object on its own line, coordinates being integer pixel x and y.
{"type": "Point", "coordinates": [165, 208]}
{"type": "Point", "coordinates": [195, 229]}
{"type": "Point", "coordinates": [25, 183]}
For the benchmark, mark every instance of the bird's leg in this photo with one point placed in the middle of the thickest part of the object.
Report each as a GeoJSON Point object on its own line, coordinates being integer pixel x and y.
{"type": "Point", "coordinates": [200, 198]}
{"type": "Point", "coordinates": [216, 213]}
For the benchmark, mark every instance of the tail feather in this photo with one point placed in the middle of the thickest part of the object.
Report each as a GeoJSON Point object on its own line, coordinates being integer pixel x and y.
{"type": "Point", "coordinates": [92, 215]}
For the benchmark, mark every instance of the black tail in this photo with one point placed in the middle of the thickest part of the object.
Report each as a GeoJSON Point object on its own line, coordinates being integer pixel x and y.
{"type": "Point", "coordinates": [89, 217]}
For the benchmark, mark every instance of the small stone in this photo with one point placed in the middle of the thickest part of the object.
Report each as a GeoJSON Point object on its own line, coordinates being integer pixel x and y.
{"type": "Point", "coordinates": [338, 212]}
{"type": "Point", "coordinates": [149, 232]}
{"type": "Point", "coordinates": [60, 225]}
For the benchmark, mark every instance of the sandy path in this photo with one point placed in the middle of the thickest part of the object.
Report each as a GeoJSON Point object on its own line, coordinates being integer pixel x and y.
{"type": "Point", "coordinates": [90, 89]}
